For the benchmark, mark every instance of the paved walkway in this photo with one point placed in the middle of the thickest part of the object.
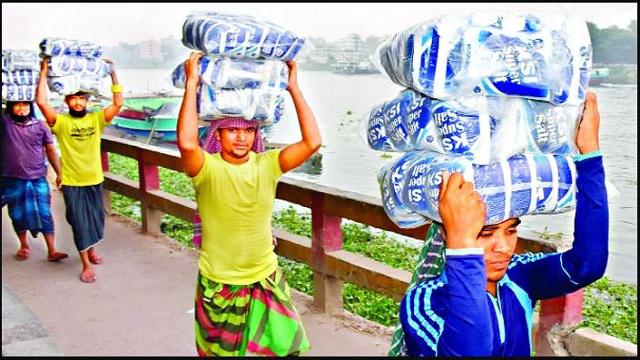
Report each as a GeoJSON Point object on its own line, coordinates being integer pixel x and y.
{"type": "Point", "coordinates": [141, 303]}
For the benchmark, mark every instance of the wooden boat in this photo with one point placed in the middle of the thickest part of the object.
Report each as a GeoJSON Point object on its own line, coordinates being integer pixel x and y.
{"type": "Point", "coordinates": [152, 118]}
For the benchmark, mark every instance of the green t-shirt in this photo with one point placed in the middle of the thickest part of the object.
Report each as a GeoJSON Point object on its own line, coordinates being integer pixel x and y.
{"type": "Point", "coordinates": [79, 140]}
{"type": "Point", "coordinates": [236, 204]}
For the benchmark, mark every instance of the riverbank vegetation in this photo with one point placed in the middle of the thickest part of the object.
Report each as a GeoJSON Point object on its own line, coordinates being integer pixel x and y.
{"type": "Point", "coordinates": [609, 306]}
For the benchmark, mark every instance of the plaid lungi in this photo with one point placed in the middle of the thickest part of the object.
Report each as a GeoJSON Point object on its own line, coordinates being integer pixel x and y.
{"type": "Point", "coordinates": [29, 203]}
{"type": "Point", "coordinates": [430, 265]}
{"type": "Point", "coordinates": [260, 318]}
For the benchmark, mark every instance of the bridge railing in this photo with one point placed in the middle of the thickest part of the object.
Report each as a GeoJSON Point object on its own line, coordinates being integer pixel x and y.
{"type": "Point", "coordinates": [323, 252]}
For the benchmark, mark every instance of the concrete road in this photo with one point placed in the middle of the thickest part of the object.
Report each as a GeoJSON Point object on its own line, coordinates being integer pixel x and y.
{"type": "Point", "coordinates": [141, 303]}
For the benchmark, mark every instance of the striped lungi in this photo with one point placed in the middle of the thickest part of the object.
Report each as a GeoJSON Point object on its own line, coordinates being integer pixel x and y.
{"type": "Point", "coordinates": [29, 203]}
{"type": "Point", "coordinates": [259, 318]}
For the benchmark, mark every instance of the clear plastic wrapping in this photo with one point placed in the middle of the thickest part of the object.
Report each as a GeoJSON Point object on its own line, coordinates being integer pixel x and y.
{"type": "Point", "coordinates": [239, 36]}
{"type": "Point", "coordinates": [264, 105]}
{"type": "Point", "coordinates": [71, 84]}
{"type": "Point", "coordinates": [524, 184]}
{"type": "Point", "coordinates": [543, 57]}
{"type": "Point", "coordinates": [75, 66]}
{"type": "Point", "coordinates": [64, 65]}
{"type": "Point", "coordinates": [13, 92]}
{"type": "Point", "coordinates": [58, 47]}
{"type": "Point", "coordinates": [13, 60]}
{"type": "Point", "coordinates": [20, 77]}
{"type": "Point", "coordinates": [391, 181]}
{"type": "Point", "coordinates": [484, 129]}
{"type": "Point", "coordinates": [228, 73]}
{"type": "Point", "coordinates": [247, 88]}
{"type": "Point", "coordinates": [20, 74]}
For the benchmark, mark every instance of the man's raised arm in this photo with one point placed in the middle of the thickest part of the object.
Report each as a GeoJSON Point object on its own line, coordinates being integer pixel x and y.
{"type": "Point", "coordinates": [111, 110]}
{"type": "Point", "coordinates": [191, 154]}
{"type": "Point", "coordinates": [295, 154]}
{"type": "Point", "coordinates": [42, 100]}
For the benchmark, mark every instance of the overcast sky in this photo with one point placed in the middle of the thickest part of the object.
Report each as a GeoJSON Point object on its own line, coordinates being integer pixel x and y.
{"type": "Point", "coordinates": [24, 25]}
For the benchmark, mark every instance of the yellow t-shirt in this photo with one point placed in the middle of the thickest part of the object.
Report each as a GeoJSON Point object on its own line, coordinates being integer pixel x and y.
{"type": "Point", "coordinates": [235, 203]}
{"type": "Point", "coordinates": [79, 140]}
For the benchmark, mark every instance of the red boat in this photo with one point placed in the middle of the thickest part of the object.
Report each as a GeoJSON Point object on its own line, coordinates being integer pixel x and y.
{"type": "Point", "coordinates": [129, 113]}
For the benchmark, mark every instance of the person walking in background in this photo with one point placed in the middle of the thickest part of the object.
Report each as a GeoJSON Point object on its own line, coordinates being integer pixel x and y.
{"type": "Point", "coordinates": [78, 134]}
{"type": "Point", "coordinates": [243, 302]}
{"type": "Point", "coordinates": [25, 190]}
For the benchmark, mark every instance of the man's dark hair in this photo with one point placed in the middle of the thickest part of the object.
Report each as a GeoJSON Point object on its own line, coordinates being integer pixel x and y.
{"type": "Point", "coordinates": [10, 104]}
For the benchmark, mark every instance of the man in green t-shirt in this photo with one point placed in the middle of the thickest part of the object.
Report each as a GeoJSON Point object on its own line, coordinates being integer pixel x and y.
{"type": "Point", "coordinates": [78, 134]}
{"type": "Point", "coordinates": [242, 303]}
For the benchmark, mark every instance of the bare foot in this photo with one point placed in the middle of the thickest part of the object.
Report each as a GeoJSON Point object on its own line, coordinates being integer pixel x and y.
{"type": "Point", "coordinates": [88, 276]}
{"type": "Point", "coordinates": [95, 259]}
{"type": "Point", "coordinates": [57, 256]}
{"type": "Point", "coordinates": [23, 254]}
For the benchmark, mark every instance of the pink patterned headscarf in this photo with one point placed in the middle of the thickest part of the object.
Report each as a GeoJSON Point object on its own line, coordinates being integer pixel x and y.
{"type": "Point", "coordinates": [212, 146]}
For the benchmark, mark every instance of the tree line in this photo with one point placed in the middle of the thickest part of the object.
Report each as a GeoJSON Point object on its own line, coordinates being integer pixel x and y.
{"type": "Point", "coordinates": [614, 45]}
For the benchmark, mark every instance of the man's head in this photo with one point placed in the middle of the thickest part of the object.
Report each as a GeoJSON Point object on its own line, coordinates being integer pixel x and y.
{"type": "Point", "coordinates": [237, 136]}
{"type": "Point", "coordinates": [499, 243]}
{"type": "Point", "coordinates": [20, 110]}
{"type": "Point", "coordinates": [77, 103]}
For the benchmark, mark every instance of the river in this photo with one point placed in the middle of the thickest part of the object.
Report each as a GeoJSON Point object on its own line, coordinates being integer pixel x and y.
{"type": "Point", "coordinates": [340, 102]}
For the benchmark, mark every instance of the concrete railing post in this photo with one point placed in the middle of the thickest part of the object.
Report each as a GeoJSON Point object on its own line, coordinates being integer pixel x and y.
{"type": "Point", "coordinates": [106, 194]}
{"type": "Point", "coordinates": [565, 311]}
{"type": "Point", "coordinates": [326, 237]}
{"type": "Point", "coordinates": [149, 180]}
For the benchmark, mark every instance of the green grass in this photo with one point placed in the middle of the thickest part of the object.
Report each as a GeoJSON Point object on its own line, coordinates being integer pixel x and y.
{"type": "Point", "coordinates": [609, 307]}
{"type": "Point", "coordinates": [612, 308]}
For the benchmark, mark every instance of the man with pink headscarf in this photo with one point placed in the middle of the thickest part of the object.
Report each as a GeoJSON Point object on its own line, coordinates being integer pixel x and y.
{"type": "Point", "coordinates": [243, 303]}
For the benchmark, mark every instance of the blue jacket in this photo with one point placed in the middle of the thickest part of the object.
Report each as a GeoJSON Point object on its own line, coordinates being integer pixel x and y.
{"type": "Point", "coordinates": [454, 315]}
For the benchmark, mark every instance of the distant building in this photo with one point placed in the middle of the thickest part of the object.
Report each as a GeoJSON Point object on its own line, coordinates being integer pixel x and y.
{"type": "Point", "coordinates": [350, 49]}
{"type": "Point", "coordinates": [150, 50]}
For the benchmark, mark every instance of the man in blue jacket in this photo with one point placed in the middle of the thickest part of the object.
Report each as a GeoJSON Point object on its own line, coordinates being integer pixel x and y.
{"type": "Point", "coordinates": [482, 304]}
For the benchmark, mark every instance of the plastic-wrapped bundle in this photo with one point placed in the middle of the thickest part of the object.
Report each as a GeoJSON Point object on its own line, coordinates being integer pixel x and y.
{"type": "Point", "coordinates": [484, 129]}
{"type": "Point", "coordinates": [264, 105]}
{"type": "Point", "coordinates": [523, 125]}
{"type": "Point", "coordinates": [239, 36]}
{"type": "Point", "coordinates": [58, 47]}
{"type": "Point", "coordinates": [541, 57]}
{"type": "Point", "coordinates": [413, 121]}
{"type": "Point", "coordinates": [64, 65]}
{"type": "Point", "coordinates": [20, 77]}
{"type": "Point", "coordinates": [228, 73]}
{"type": "Point", "coordinates": [13, 60]}
{"type": "Point", "coordinates": [71, 84]}
{"type": "Point", "coordinates": [74, 66]}
{"type": "Point", "coordinates": [13, 92]}
{"type": "Point", "coordinates": [524, 184]}
{"type": "Point", "coordinates": [391, 181]}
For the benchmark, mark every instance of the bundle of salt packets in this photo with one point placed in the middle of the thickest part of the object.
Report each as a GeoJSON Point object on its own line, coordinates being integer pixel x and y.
{"type": "Point", "coordinates": [543, 57]}
{"type": "Point", "coordinates": [243, 73]}
{"type": "Point", "coordinates": [251, 89]}
{"type": "Point", "coordinates": [75, 66]}
{"type": "Point", "coordinates": [483, 98]}
{"type": "Point", "coordinates": [20, 74]}
{"type": "Point", "coordinates": [515, 145]}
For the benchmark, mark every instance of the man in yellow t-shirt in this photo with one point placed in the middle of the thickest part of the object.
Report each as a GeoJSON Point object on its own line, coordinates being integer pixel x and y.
{"type": "Point", "coordinates": [78, 134]}
{"type": "Point", "coordinates": [243, 303]}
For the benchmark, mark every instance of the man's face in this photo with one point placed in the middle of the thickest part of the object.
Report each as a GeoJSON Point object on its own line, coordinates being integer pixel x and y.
{"type": "Point", "coordinates": [237, 142]}
{"type": "Point", "coordinates": [21, 108]}
{"type": "Point", "coordinates": [77, 103]}
{"type": "Point", "coordinates": [499, 243]}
